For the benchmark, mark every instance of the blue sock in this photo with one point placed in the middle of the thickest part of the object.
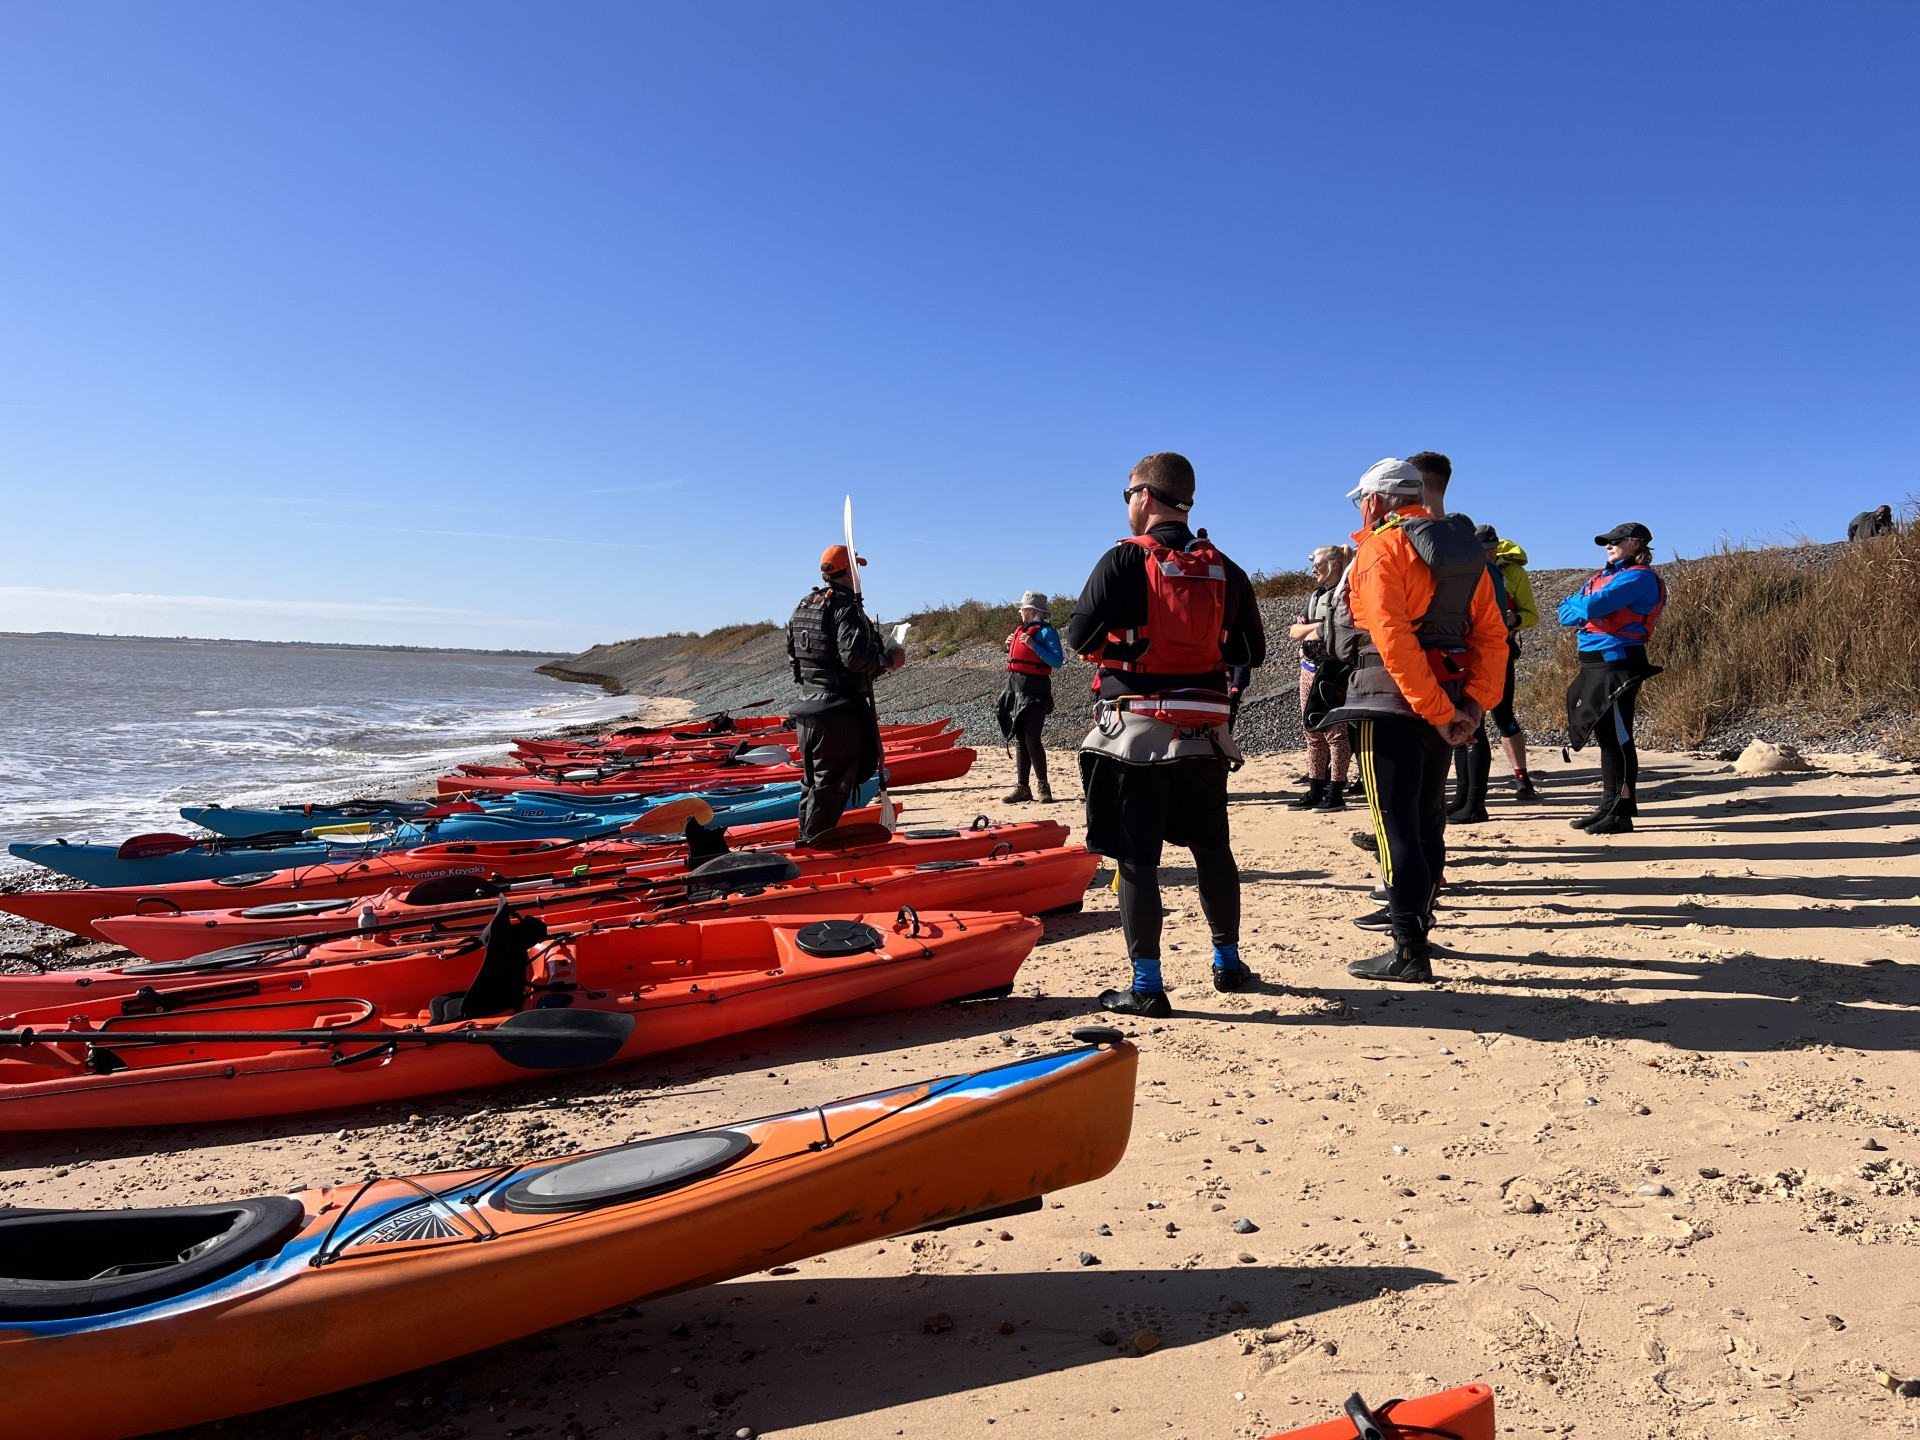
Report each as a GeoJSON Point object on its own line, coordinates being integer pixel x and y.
{"type": "Point", "coordinates": [1226, 957]}
{"type": "Point", "coordinates": [1146, 975]}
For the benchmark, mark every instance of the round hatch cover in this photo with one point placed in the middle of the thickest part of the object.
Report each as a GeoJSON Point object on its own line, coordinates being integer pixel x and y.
{"type": "Point", "coordinates": [287, 909]}
{"type": "Point", "coordinates": [830, 938]}
{"type": "Point", "coordinates": [628, 1173]}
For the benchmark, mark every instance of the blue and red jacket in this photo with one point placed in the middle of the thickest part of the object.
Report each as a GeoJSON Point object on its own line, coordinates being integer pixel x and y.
{"type": "Point", "coordinates": [1616, 610]}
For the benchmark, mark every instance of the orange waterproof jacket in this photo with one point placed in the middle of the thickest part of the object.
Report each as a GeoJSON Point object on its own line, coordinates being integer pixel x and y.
{"type": "Point", "coordinates": [1388, 589]}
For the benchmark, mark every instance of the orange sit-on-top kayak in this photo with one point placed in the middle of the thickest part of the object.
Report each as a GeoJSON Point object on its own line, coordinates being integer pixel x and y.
{"type": "Point", "coordinates": [476, 1011]}
{"type": "Point", "coordinates": [1462, 1414]}
{"type": "Point", "coordinates": [119, 1323]}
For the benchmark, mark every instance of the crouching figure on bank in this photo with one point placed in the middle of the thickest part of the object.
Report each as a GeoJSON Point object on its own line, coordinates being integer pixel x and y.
{"type": "Point", "coordinates": [1163, 617]}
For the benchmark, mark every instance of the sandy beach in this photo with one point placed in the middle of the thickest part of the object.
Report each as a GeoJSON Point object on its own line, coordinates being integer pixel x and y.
{"type": "Point", "coordinates": [1647, 1162]}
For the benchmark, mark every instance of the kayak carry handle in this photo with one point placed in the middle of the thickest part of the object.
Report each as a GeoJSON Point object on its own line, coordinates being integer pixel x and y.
{"type": "Point", "coordinates": [172, 905]}
{"type": "Point", "coordinates": [908, 915]}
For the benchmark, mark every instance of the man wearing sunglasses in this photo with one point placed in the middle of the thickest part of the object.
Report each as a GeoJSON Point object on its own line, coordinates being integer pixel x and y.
{"type": "Point", "coordinates": [1164, 616]}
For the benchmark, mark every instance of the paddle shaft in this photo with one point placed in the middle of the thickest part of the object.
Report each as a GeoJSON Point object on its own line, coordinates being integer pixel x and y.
{"type": "Point", "coordinates": [323, 1036]}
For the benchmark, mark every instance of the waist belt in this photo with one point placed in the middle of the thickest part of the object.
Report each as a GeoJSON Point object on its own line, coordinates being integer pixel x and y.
{"type": "Point", "coordinates": [1184, 708]}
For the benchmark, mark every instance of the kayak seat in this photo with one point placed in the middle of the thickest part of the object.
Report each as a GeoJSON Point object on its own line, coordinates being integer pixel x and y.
{"type": "Point", "coordinates": [251, 877]}
{"type": "Point", "coordinates": [451, 889]}
{"type": "Point", "coordinates": [831, 939]}
{"type": "Point", "coordinates": [500, 986]}
{"type": "Point", "coordinates": [56, 1264]}
{"type": "Point", "coordinates": [704, 842]}
{"type": "Point", "coordinates": [739, 870]}
{"type": "Point", "coordinates": [629, 1172]}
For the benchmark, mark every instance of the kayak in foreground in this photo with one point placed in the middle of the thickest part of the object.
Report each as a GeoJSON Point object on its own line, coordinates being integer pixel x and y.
{"type": "Point", "coordinates": [480, 1010]}
{"type": "Point", "coordinates": [1462, 1414]}
{"type": "Point", "coordinates": [120, 1323]}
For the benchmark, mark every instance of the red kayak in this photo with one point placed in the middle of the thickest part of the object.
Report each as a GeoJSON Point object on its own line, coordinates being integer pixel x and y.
{"type": "Point", "coordinates": [923, 873]}
{"type": "Point", "coordinates": [929, 735]}
{"type": "Point", "coordinates": [78, 910]}
{"type": "Point", "coordinates": [916, 767]}
{"type": "Point", "coordinates": [461, 1015]}
{"type": "Point", "coordinates": [681, 761]}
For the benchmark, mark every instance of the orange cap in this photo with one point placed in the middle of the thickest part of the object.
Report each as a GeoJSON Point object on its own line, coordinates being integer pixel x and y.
{"type": "Point", "coordinates": [833, 559]}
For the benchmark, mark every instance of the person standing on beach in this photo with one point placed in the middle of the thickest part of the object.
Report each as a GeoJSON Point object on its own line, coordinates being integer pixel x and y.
{"type": "Point", "coordinates": [1164, 616]}
{"type": "Point", "coordinates": [1427, 645]}
{"type": "Point", "coordinates": [1869, 523]}
{"type": "Point", "coordinates": [1616, 611]}
{"type": "Point", "coordinates": [836, 651]}
{"type": "Point", "coordinates": [1034, 652]}
{"type": "Point", "coordinates": [1329, 750]}
{"type": "Point", "coordinates": [1523, 613]}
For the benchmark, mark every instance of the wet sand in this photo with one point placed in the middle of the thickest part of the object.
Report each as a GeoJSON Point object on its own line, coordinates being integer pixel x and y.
{"type": "Point", "coordinates": [1648, 1162]}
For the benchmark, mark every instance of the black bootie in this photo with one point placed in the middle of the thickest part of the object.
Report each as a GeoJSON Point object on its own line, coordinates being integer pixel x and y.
{"type": "Point", "coordinates": [1594, 817]}
{"type": "Point", "coordinates": [1315, 791]}
{"type": "Point", "coordinates": [1410, 962]}
{"type": "Point", "coordinates": [1618, 820]}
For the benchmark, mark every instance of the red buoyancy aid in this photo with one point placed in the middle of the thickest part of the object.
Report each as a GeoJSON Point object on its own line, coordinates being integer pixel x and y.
{"type": "Point", "coordinates": [1627, 623]}
{"type": "Point", "coordinates": [1021, 656]}
{"type": "Point", "coordinates": [1186, 613]}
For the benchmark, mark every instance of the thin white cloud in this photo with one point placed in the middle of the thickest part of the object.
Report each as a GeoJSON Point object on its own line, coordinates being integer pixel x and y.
{"type": "Point", "coordinates": [31, 608]}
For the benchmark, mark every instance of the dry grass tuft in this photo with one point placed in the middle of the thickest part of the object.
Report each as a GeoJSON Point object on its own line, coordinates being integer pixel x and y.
{"type": "Point", "coordinates": [1750, 632]}
{"type": "Point", "coordinates": [1273, 584]}
{"type": "Point", "coordinates": [727, 637]}
{"type": "Point", "coordinates": [948, 628]}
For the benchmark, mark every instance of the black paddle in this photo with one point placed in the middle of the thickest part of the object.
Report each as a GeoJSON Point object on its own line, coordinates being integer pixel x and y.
{"type": "Point", "coordinates": [532, 1039]}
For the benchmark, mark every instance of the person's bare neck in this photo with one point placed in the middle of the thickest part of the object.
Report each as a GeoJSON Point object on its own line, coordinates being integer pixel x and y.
{"type": "Point", "coordinates": [1154, 513]}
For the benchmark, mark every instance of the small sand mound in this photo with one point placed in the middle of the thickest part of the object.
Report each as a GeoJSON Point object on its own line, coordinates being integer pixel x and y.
{"type": "Point", "coordinates": [1762, 757]}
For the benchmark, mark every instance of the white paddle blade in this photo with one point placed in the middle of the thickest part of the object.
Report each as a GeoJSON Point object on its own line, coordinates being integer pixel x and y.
{"type": "Point", "coordinates": [853, 555]}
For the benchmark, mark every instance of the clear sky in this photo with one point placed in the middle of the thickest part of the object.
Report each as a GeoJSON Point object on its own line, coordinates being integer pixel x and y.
{"type": "Point", "coordinates": [537, 325]}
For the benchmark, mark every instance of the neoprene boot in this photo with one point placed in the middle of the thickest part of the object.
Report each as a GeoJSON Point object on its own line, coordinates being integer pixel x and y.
{"type": "Point", "coordinates": [1617, 821]}
{"type": "Point", "coordinates": [1410, 962]}
{"type": "Point", "coordinates": [1046, 793]}
{"type": "Point", "coordinates": [1335, 798]}
{"type": "Point", "coordinates": [1366, 840]}
{"type": "Point", "coordinates": [1523, 791]}
{"type": "Point", "coordinates": [1472, 809]}
{"type": "Point", "coordinates": [1310, 798]}
{"type": "Point", "coordinates": [1148, 1004]}
{"type": "Point", "coordinates": [1594, 817]}
{"type": "Point", "coordinates": [1230, 973]}
{"type": "Point", "coordinates": [1019, 795]}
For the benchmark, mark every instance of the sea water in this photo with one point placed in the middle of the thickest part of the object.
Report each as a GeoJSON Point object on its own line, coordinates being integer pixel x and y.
{"type": "Point", "coordinates": [105, 738]}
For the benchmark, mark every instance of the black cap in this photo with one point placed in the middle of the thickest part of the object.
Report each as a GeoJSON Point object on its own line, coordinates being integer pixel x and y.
{"type": "Point", "coordinates": [1487, 535]}
{"type": "Point", "coordinates": [1632, 530]}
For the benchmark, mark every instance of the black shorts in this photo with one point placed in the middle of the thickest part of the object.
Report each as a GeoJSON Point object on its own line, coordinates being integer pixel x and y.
{"type": "Point", "coordinates": [1133, 809]}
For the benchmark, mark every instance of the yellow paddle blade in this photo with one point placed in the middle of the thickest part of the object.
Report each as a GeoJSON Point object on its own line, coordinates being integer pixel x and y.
{"type": "Point", "coordinates": [359, 827]}
{"type": "Point", "coordinates": [671, 817]}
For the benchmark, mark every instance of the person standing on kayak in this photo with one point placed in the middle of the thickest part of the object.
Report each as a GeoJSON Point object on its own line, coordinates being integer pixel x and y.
{"type": "Point", "coordinates": [1427, 644]}
{"type": "Point", "coordinates": [1616, 611]}
{"type": "Point", "coordinates": [1034, 652]}
{"type": "Point", "coordinates": [1164, 616]}
{"type": "Point", "coordinates": [836, 652]}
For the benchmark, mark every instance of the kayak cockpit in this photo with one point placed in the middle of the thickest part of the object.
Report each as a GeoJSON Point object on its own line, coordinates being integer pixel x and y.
{"type": "Point", "coordinates": [60, 1264]}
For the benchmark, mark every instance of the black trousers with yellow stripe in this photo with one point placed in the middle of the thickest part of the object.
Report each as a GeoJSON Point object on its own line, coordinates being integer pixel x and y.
{"type": "Point", "coordinates": [1405, 764]}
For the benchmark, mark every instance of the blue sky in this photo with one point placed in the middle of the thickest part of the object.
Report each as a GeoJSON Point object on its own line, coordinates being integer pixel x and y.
{"type": "Point", "coordinates": [540, 325]}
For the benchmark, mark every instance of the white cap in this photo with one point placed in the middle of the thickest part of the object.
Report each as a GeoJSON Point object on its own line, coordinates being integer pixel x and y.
{"type": "Point", "coordinates": [1389, 477]}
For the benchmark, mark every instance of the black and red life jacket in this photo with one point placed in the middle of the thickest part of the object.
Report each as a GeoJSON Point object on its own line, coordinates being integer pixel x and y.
{"type": "Point", "coordinates": [1022, 659]}
{"type": "Point", "coordinates": [1186, 624]}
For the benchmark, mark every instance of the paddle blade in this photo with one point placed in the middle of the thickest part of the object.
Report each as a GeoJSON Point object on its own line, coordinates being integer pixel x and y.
{"type": "Point", "coordinates": [451, 807]}
{"type": "Point", "coordinates": [145, 847]}
{"type": "Point", "coordinates": [765, 755]}
{"type": "Point", "coordinates": [560, 1039]}
{"type": "Point", "coordinates": [347, 831]}
{"type": "Point", "coordinates": [671, 817]}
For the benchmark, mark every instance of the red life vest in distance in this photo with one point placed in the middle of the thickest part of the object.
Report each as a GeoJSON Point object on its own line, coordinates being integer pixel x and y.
{"type": "Point", "coordinates": [1186, 614]}
{"type": "Point", "coordinates": [1021, 657]}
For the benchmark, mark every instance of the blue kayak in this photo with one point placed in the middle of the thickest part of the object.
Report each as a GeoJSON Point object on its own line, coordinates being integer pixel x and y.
{"type": "Point", "coordinates": [240, 823]}
{"type": "Point", "coordinates": [211, 859]}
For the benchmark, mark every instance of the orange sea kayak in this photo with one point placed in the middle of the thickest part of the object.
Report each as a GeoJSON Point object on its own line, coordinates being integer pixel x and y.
{"type": "Point", "coordinates": [468, 1013]}
{"type": "Point", "coordinates": [1462, 1414]}
{"type": "Point", "coordinates": [120, 1323]}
